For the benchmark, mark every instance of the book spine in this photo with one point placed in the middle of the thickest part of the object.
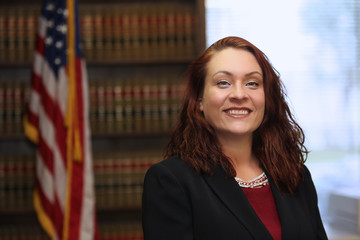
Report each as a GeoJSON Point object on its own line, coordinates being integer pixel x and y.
{"type": "Point", "coordinates": [3, 34]}
{"type": "Point", "coordinates": [98, 34]}
{"type": "Point", "coordinates": [127, 45]}
{"type": "Point", "coordinates": [109, 106]}
{"type": "Point", "coordinates": [128, 106]}
{"type": "Point", "coordinates": [164, 106]}
{"type": "Point", "coordinates": [118, 106]}
{"type": "Point", "coordinates": [9, 108]}
{"type": "Point", "coordinates": [138, 105]}
{"type": "Point", "coordinates": [100, 96]}
{"type": "Point", "coordinates": [93, 106]}
{"type": "Point", "coordinates": [117, 33]}
{"type": "Point", "coordinates": [11, 35]}
{"type": "Point", "coordinates": [108, 32]}
{"type": "Point", "coordinates": [2, 107]}
{"type": "Point", "coordinates": [87, 24]}
{"type": "Point", "coordinates": [20, 35]}
{"type": "Point", "coordinates": [3, 192]}
{"type": "Point", "coordinates": [18, 106]}
{"type": "Point", "coordinates": [30, 33]}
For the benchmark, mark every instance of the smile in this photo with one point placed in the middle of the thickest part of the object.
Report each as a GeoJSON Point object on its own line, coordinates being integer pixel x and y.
{"type": "Point", "coordinates": [238, 111]}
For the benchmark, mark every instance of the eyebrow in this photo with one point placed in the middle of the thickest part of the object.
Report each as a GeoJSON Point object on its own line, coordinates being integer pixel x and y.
{"type": "Point", "coordinates": [246, 75]}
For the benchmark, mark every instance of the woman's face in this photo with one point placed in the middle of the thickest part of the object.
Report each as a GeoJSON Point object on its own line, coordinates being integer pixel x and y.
{"type": "Point", "coordinates": [233, 100]}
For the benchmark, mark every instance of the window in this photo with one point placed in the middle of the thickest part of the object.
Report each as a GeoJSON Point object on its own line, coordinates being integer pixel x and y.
{"type": "Point", "coordinates": [315, 45]}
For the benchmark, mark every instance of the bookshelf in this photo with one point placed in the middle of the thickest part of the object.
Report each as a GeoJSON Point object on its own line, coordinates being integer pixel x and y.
{"type": "Point", "coordinates": [136, 54]}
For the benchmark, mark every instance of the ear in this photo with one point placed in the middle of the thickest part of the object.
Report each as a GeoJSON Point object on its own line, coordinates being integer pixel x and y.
{"type": "Point", "coordinates": [201, 106]}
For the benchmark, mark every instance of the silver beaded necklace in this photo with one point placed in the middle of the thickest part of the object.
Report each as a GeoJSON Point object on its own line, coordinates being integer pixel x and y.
{"type": "Point", "coordinates": [261, 180]}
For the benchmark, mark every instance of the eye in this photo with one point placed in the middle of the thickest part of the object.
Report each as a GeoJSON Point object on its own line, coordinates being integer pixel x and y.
{"type": "Point", "coordinates": [223, 83]}
{"type": "Point", "coordinates": [252, 84]}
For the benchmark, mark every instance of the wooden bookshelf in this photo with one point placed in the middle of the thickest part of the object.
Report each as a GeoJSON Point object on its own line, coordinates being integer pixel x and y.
{"type": "Point", "coordinates": [136, 54]}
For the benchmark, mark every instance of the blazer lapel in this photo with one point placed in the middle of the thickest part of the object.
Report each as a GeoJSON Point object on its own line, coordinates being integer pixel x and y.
{"type": "Point", "coordinates": [287, 208]}
{"type": "Point", "coordinates": [235, 199]}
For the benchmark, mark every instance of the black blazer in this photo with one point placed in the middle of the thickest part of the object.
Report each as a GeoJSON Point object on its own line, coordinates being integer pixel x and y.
{"type": "Point", "coordinates": [178, 203]}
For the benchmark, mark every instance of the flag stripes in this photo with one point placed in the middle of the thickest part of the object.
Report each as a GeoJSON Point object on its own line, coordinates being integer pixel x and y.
{"type": "Point", "coordinates": [57, 121]}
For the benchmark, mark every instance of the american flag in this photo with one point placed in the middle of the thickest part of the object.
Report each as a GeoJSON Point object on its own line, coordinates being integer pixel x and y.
{"type": "Point", "coordinates": [57, 121]}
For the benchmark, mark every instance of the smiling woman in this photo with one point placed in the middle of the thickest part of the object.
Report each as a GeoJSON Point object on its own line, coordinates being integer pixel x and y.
{"type": "Point", "coordinates": [234, 167]}
{"type": "Point", "coordinates": [233, 100]}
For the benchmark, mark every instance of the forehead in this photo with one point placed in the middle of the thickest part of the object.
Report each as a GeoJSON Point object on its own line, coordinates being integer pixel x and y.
{"type": "Point", "coordinates": [236, 61]}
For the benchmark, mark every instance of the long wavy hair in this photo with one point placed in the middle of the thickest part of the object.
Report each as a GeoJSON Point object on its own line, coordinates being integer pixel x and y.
{"type": "Point", "coordinates": [278, 143]}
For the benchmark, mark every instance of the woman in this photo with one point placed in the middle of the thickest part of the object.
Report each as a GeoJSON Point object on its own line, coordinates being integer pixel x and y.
{"type": "Point", "coordinates": [234, 166]}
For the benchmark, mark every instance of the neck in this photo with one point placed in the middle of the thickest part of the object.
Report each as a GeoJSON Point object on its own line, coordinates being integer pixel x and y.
{"type": "Point", "coordinates": [239, 150]}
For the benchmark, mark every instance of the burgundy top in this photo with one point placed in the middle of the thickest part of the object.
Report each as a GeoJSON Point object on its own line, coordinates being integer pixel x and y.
{"type": "Point", "coordinates": [262, 201]}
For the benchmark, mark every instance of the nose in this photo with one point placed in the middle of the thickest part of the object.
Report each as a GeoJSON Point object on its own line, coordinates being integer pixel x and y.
{"type": "Point", "coordinates": [238, 92]}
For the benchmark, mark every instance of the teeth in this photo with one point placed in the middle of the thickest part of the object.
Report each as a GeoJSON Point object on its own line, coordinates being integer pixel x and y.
{"type": "Point", "coordinates": [238, 112]}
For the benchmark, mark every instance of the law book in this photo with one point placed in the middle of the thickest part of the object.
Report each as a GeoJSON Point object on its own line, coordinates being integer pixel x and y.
{"type": "Point", "coordinates": [136, 47]}
{"type": "Point", "coordinates": [100, 108]}
{"type": "Point", "coordinates": [98, 34]}
{"type": "Point", "coordinates": [11, 35]}
{"type": "Point", "coordinates": [161, 33]}
{"type": "Point", "coordinates": [3, 186]}
{"type": "Point", "coordinates": [144, 32]}
{"type": "Point", "coordinates": [2, 107]}
{"type": "Point", "coordinates": [118, 106]}
{"type": "Point", "coordinates": [171, 32]}
{"type": "Point", "coordinates": [189, 32]}
{"type": "Point", "coordinates": [117, 33]}
{"type": "Point", "coordinates": [128, 106]}
{"type": "Point", "coordinates": [30, 33]}
{"type": "Point", "coordinates": [20, 34]}
{"type": "Point", "coordinates": [164, 105]}
{"type": "Point", "coordinates": [155, 106]}
{"type": "Point", "coordinates": [9, 108]}
{"type": "Point", "coordinates": [126, 30]}
{"type": "Point", "coordinates": [108, 32]}
{"type": "Point", "coordinates": [153, 37]}
{"type": "Point", "coordinates": [137, 105]}
{"type": "Point", "coordinates": [2, 35]}
{"type": "Point", "coordinates": [147, 95]}
{"type": "Point", "coordinates": [109, 106]}
{"type": "Point", "coordinates": [87, 27]}
{"type": "Point", "coordinates": [93, 105]}
{"type": "Point", "coordinates": [18, 106]}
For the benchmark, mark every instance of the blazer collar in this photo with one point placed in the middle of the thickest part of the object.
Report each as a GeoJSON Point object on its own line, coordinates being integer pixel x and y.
{"type": "Point", "coordinates": [287, 208]}
{"type": "Point", "coordinates": [235, 199]}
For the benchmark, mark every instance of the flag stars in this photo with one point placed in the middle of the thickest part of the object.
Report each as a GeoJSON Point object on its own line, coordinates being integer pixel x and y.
{"type": "Point", "coordinates": [61, 28]}
{"type": "Point", "coordinates": [50, 24]}
{"type": "Point", "coordinates": [65, 13]}
{"type": "Point", "coordinates": [59, 44]}
{"type": "Point", "coordinates": [50, 7]}
{"type": "Point", "coordinates": [49, 41]}
{"type": "Point", "coordinates": [57, 61]}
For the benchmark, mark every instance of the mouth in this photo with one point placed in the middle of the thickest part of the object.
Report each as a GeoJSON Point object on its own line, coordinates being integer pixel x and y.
{"type": "Point", "coordinates": [238, 112]}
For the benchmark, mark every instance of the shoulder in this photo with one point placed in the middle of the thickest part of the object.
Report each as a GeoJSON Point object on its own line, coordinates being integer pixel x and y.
{"type": "Point", "coordinates": [307, 187]}
{"type": "Point", "coordinates": [172, 167]}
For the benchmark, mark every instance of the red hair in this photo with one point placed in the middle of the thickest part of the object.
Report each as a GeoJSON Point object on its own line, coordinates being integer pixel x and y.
{"type": "Point", "coordinates": [278, 143]}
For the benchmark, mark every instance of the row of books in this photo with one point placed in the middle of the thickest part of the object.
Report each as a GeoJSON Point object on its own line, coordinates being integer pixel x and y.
{"type": "Point", "coordinates": [13, 97]}
{"type": "Point", "coordinates": [18, 26]}
{"type": "Point", "coordinates": [120, 32]}
{"type": "Point", "coordinates": [127, 230]}
{"type": "Point", "coordinates": [159, 31]}
{"type": "Point", "coordinates": [118, 180]}
{"type": "Point", "coordinates": [126, 105]}
{"type": "Point", "coordinates": [16, 182]}
{"type": "Point", "coordinates": [134, 105]}
{"type": "Point", "coordinates": [21, 232]}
